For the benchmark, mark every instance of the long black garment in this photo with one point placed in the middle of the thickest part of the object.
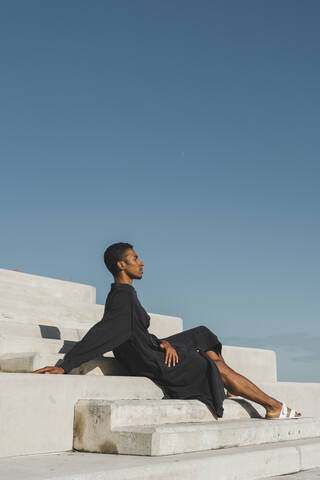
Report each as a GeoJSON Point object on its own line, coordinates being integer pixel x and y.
{"type": "Point", "coordinates": [124, 329]}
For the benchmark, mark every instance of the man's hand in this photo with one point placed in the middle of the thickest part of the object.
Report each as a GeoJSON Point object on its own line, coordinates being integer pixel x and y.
{"type": "Point", "coordinates": [171, 354]}
{"type": "Point", "coordinates": [52, 370]}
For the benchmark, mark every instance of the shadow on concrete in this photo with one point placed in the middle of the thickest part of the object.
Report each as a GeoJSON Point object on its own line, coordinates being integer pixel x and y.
{"type": "Point", "coordinates": [47, 331]}
{"type": "Point", "coordinates": [249, 408]}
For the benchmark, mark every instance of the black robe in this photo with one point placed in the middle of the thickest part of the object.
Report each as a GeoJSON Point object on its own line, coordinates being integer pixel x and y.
{"type": "Point", "coordinates": [124, 329]}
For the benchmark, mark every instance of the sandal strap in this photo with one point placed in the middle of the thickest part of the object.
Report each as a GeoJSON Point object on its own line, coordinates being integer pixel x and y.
{"type": "Point", "coordinates": [284, 411]}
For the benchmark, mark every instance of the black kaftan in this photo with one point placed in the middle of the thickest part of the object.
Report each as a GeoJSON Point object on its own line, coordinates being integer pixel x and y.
{"type": "Point", "coordinates": [124, 329]}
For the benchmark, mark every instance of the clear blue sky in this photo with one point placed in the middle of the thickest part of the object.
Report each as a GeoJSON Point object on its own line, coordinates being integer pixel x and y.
{"type": "Point", "coordinates": [188, 128]}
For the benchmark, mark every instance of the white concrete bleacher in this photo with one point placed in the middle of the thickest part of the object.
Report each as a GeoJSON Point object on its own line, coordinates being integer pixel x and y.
{"type": "Point", "coordinates": [41, 318]}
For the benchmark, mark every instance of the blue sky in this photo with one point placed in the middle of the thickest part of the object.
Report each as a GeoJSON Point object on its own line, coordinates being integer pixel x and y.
{"type": "Point", "coordinates": [190, 129]}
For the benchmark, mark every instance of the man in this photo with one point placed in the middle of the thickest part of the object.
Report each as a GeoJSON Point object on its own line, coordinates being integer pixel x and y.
{"type": "Point", "coordinates": [186, 365]}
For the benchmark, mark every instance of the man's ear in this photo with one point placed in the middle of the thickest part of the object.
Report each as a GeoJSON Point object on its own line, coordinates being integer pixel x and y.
{"type": "Point", "coordinates": [121, 264]}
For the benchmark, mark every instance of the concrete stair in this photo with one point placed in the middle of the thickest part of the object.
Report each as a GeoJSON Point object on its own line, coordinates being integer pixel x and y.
{"type": "Point", "coordinates": [170, 427]}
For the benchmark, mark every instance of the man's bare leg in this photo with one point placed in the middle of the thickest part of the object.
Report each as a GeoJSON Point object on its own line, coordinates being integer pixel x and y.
{"type": "Point", "coordinates": [239, 385]}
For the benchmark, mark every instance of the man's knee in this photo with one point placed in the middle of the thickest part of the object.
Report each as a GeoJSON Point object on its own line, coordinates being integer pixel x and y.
{"type": "Point", "coordinates": [223, 369]}
{"type": "Point", "coordinates": [204, 330]}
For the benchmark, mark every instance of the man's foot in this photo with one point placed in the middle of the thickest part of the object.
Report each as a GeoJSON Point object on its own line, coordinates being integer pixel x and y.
{"type": "Point", "coordinates": [281, 412]}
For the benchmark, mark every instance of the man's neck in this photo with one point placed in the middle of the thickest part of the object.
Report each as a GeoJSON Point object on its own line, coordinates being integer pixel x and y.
{"type": "Point", "coordinates": [123, 278]}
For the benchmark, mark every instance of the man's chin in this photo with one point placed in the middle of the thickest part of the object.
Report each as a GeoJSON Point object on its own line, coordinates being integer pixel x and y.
{"type": "Point", "coordinates": [137, 277]}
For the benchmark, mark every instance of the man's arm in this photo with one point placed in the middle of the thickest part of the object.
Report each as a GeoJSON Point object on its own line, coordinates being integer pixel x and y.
{"type": "Point", "coordinates": [114, 328]}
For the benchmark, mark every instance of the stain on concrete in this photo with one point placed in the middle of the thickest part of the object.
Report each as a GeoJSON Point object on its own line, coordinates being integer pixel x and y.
{"type": "Point", "coordinates": [107, 447]}
{"type": "Point", "coordinates": [78, 427]}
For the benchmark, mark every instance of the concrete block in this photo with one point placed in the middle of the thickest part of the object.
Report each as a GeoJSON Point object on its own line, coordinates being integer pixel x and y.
{"type": "Point", "coordinates": [96, 430]}
{"type": "Point", "coordinates": [47, 287]}
{"type": "Point", "coordinates": [256, 364]}
{"type": "Point", "coordinates": [42, 407]}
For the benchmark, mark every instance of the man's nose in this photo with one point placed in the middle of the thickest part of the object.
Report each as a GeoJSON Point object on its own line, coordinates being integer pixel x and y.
{"type": "Point", "coordinates": [141, 263]}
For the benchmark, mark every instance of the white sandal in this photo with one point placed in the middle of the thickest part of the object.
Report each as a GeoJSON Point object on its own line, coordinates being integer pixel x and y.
{"type": "Point", "coordinates": [283, 414]}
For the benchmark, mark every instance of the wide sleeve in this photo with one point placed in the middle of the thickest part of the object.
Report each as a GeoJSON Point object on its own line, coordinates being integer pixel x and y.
{"type": "Point", "coordinates": [156, 342]}
{"type": "Point", "coordinates": [114, 329]}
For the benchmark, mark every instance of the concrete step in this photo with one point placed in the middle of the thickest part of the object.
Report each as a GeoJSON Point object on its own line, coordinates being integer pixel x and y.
{"type": "Point", "coordinates": [133, 413]}
{"type": "Point", "coordinates": [43, 406]}
{"type": "Point", "coordinates": [28, 362]}
{"type": "Point", "coordinates": [96, 430]}
{"type": "Point", "coordinates": [239, 463]}
{"type": "Point", "coordinates": [47, 287]}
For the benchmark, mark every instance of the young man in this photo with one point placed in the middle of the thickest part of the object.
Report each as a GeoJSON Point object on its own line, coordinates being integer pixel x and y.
{"type": "Point", "coordinates": [186, 365]}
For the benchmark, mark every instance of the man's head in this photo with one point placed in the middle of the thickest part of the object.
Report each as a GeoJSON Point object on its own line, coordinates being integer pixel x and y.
{"type": "Point", "coordinates": [122, 260]}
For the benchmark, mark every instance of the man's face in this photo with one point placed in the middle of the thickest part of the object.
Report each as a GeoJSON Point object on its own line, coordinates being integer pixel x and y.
{"type": "Point", "coordinates": [133, 265]}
